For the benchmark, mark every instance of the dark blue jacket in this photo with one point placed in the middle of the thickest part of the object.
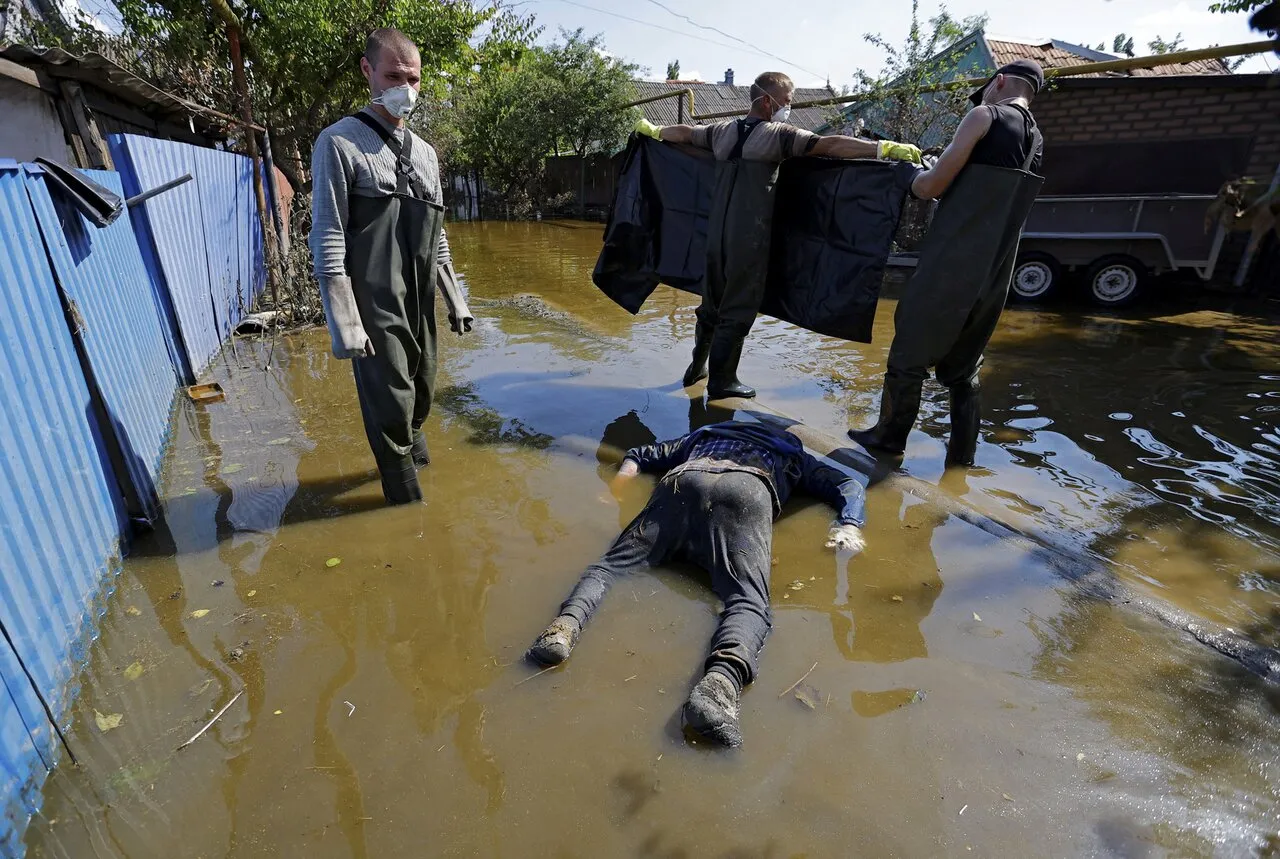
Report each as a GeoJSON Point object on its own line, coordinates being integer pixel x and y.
{"type": "Point", "coordinates": [792, 468]}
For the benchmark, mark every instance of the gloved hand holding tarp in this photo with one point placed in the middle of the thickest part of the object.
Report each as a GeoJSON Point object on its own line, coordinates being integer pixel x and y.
{"type": "Point", "coordinates": [833, 228]}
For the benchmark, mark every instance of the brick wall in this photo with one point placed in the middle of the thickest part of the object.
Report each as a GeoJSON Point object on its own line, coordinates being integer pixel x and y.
{"type": "Point", "coordinates": [1132, 110]}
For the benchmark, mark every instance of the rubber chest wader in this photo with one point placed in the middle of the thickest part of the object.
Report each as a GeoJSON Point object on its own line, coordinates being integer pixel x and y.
{"type": "Point", "coordinates": [391, 257]}
{"type": "Point", "coordinates": [739, 230]}
{"type": "Point", "coordinates": [950, 307]}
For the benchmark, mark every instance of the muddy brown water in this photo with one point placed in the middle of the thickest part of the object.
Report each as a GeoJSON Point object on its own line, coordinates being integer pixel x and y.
{"type": "Point", "coordinates": [964, 701]}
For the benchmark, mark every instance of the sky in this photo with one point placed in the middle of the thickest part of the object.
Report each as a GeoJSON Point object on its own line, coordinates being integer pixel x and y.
{"type": "Point", "coordinates": [817, 40]}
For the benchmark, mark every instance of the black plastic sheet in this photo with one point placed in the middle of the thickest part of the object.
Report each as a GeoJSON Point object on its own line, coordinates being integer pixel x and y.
{"type": "Point", "coordinates": [100, 205]}
{"type": "Point", "coordinates": [833, 228]}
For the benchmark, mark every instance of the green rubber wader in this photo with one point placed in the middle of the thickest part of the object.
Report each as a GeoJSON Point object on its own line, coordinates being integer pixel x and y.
{"type": "Point", "coordinates": [739, 230]}
{"type": "Point", "coordinates": [391, 257]}
{"type": "Point", "coordinates": [949, 309]}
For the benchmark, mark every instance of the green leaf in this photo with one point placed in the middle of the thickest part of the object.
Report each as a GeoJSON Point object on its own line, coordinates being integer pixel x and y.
{"type": "Point", "coordinates": [107, 722]}
{"type": "Point", "coordinates": [134, 671]}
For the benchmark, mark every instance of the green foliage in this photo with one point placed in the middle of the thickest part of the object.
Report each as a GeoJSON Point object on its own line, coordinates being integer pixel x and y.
{"type": "Point", "coordinates": [673, 70]}
{"type": "Point", "coordinates": [1227, 7]}
{"type": "Point", "coordinates": [1159, 46]}
{"type": "Point", "coordinates": [502, 123]}
{"type": "Point", "coordinates": [1122, 44]}
{"type": "Point", "coordinates": [900, 101]}
{"type": "Point", "coordinates": [302, 55]}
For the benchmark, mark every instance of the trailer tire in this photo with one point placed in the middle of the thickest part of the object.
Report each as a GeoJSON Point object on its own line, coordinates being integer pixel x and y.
{"type": "Point", "coordinates": [1116, 280]}
{"type": "Point", "coordinates": [1036, 277]}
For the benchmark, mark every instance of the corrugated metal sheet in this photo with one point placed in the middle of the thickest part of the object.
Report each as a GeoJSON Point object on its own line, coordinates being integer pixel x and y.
{"type": "Point", "coordinates": [201, 241]}
{"type": "Point", "coordinates": [60, 516]}
{"type": "Point", "coordinates": [102, 272]}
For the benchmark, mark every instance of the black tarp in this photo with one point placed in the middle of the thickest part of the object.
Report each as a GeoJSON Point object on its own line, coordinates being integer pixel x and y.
{"type": "Point", "coordinates": [833, 228]}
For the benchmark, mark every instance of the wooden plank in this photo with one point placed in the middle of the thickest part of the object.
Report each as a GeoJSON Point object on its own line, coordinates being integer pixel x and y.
{"type": "Point", "coordinates": [21, 74]}
{"type": "Point", "coordinates": [95, 146]}
{"type": "Point", "coordinates": [72, 131]}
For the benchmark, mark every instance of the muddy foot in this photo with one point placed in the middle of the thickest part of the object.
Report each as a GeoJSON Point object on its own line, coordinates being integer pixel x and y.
{"type": "Point", "coordinates": [712, 710]}
{"type": "Point", "coordinates": [556, 642]}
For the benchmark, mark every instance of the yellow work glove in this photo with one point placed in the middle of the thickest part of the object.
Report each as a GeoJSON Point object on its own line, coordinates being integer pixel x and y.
{"type": "Point", "coordinates": [887, 150]}
{"type": "Point", "coordinates": [648, 129]}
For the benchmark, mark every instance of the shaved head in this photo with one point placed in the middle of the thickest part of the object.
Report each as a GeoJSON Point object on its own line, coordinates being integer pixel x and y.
{"type": "Point", "coordinates": [388, 42]}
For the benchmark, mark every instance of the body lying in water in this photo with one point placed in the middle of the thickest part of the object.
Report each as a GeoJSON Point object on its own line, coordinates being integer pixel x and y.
{"type": "Point", "coordinates": [721, 489]}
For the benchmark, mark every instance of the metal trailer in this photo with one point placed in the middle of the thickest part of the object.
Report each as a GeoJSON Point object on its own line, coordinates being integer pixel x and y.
{"type": "Point", "coordinates": [1120, 243]}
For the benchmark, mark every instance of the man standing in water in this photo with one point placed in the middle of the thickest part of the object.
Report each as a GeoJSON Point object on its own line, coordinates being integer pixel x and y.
{"type": "Point", "coordinates": [380, 251]}
{"type": "Point", "coordinates": [949, 309]}
{"type": "Point", "coordinates": [747, 153]}
{"type": "Point", "coordinates": [722, 487]}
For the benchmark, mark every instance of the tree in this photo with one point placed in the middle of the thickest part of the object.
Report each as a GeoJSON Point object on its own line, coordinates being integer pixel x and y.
{"type": "Point", "coordinates": [1227, 7]}
{"type": "Point", "coordinates": [1159, 46]}
{"type": "Point", "coordinates": [502, 124]}
{"type": "Point", "coordinates": [1122, 44]}
{"type": "Point", "coordinates": [673, 70]}
{"type": "Point", "coordinates": [301, 55]}
{"type": "Point", "coordinates": [900, 101]}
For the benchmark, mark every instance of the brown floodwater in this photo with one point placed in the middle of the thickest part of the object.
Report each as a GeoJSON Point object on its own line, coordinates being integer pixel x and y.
{"type": "Point", "coordinates": [963, 701]}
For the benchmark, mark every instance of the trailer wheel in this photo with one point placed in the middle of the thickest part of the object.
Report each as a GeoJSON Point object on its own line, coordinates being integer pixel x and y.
{"type": "Point", "coordinates": [1036, 277]}
{"type": "Point", "coordinates": [1115, 281]}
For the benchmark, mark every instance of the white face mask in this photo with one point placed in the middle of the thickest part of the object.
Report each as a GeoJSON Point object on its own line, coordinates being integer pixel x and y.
{"type": "Point", "coordinates": [782, 114]}
{"type": "Point", "coordinates": [398, 100]}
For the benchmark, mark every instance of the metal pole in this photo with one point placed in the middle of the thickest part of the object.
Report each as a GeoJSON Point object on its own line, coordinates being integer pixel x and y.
{"type": "Point", "coordinates": [158, 190]}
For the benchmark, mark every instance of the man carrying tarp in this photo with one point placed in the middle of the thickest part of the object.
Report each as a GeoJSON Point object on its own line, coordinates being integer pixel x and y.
{"type": "Point", "coordinates": [747, 153]}
{"type": "Point", "coordinates": [380, 252]}
{"type": "Point", "coordinates": [949, 309]}
{"type": "Point", "coordinates": [722, 486]}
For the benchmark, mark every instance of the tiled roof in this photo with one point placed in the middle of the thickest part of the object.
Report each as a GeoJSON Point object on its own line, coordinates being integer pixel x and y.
{"type": "Point", "coordinates": [1061, 55]}
{"type": "Point", "coordinates": [715, 98]}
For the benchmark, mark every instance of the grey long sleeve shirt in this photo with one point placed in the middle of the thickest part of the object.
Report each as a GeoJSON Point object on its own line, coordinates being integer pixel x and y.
{"type": "Point", "coordinates": [350, 159]}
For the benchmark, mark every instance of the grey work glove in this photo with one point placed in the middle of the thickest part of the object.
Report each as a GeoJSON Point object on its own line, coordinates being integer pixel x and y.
{"type": "Point", "coordinates": [346, 332]}
{"type": "Point", "coordinates": [460, 317]}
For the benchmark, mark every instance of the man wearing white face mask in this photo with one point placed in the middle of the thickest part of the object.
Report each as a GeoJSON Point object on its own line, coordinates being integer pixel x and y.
{"type": "Point", "coordinates": [380, 251]}
{"type": "Point", "coordinates": [748, 152]}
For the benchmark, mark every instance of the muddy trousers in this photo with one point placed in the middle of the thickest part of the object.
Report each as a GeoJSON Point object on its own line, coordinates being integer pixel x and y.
{"type": "Point", "coordinates": [720, 522]}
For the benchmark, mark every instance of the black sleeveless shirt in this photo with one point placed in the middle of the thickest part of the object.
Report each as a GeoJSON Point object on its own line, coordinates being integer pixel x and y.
{"type": "Point", "coordinates": [1006, 143]}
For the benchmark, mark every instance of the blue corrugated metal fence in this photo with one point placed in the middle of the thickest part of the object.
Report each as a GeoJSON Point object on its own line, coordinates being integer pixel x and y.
{"type": "Point", "coordinates": [99, 326]}
{"type": "Point", "coordinates": [202, 239]}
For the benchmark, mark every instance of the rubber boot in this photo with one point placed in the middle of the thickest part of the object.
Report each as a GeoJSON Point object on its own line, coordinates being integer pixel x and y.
{"type": "Point", "coordinates": [400, 480]}
{"type": "Point", "coordinates": [712, 710]}
{"type": "Point", "coordinates": [556, 642]}
{"type": "Point", "coordinates": [899, 405]}
{"type": "Point", "coordinates": [697, 370]}
{"type": "Point", "coordinates": [726, 352]}
{"type": "Point", "coordinates": [421, 458]}
{"type": "Point", "coordinates": [966, 417]}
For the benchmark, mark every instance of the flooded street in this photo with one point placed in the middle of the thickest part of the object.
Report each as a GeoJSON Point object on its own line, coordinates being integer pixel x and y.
{"type": "Point", "coordinates": [965, 700]}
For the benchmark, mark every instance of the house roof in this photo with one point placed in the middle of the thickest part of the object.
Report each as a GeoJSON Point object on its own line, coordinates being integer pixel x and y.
{"type": "Point", "coordinates": [97, 71]}
{"type": "Point", "coordinates": [717, 98]}
{"type": "Point", "coordinates": [1056, 54]}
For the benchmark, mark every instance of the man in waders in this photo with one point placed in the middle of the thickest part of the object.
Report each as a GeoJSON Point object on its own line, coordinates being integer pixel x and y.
{"type": "Point", "coordinates": [721, 488]}
{"type": "Point", "coordinates": [747, 153]}
{"type": "Point", "coordinates": [380, 251]}
{"type": "Point", "coordinates": [953, 301]}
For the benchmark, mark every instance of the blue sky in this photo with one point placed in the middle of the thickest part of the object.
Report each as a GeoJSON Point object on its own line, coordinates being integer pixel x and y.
{"type": "Point", "coordinates": [821, 38]}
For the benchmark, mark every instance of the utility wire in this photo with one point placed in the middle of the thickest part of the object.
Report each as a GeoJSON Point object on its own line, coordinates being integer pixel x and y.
{"type": "Point", "coordinates": [753, 47]}
{"type": "Point", "coordinates": [687, 35]}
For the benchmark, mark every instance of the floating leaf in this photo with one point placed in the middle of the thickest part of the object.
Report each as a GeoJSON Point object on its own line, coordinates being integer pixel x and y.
{"type": "Point", "coordinates": [975, 617]}
{"type": "Point", "coordinates": [797, 585]}
{"type": "Point", "coordinates": [1006, 796]}
{"type": "Point", "coordinates": [108, 722]}
{"type": "Point", "coordinates": [199, 613]}
{"type": "Point", "coordinates": [808, 696]}
{"type": "Point", "coordinates": [333, 562]}
{"type": "Point", "coordinates": [232, 469]}
{"type": "Point", "coordinates": [133, 611]}
{"type": "Point", "coordinates": [276, 442]}
{"type": "Point", "coordinates": [251, 593]}
{"type": "Point", "coordinates": [896, 598]}
{"type": "Point", "coordinates": [279, 712]}
{"type": "Point", "coordinates": [134, 671]}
